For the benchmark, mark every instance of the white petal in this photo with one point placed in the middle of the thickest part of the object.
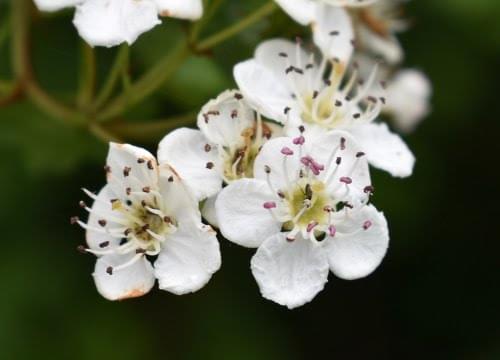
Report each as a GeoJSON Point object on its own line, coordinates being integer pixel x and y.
{"type": "Point", "coordinates": [408, 98]}
{"type": "Point", "coordinates": [290, 273]}
{"type": "Point", "coordinates": [385, 150]}
{"type": "Point", "coordinates": [263, 90]}
{"type": "Point", "coordinates": [208, 211]}
{"type": "Point", "coordinates": [185, 149]}
{"type": "Point", "coordinates": [388, 47]}
{"type": "Point", "coordinates": [224, 119]}
{"type": "Point", "coordinates": [112, 22]}
{"type": "Point", "coordinates": [183, 9]}
{"type": "Point", "coordinates": [132, 281]}
{"type": "Point", "coordinates": [301, 11]}
{"type": "Point", "coordinates": [102, 210]}
{"type": "Point", "coordinates": [333, 32]}
{"type": "Point", "coordinates": [130, 167]}
{"type": "Point", "coordinates": [178, 201]}
{"type": "Point", "coordinates": [352, 164]}
{"type": "Point", "coordinates": [270, 155]}
{"type": "Point", "coordinates": [188, 259]}
{"type": "Point", "coordinates": [54, 5]}
{"type": "Point", "coordinates": [355, 252]}
{"type": "Point", "coordinates": [242, 217]}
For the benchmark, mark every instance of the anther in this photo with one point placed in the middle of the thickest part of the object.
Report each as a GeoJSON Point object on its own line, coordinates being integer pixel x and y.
{"type": "Point", "coordinates": [107, 169]}
{"type": "Point", "coordinates": [128, 191]}
{"type": "Point", "coordinates": [311, 226]}
{"type": "Point", "coordinates": [286, 110]}
{"type": "Point", "coordinates": [140, 251]}
{"type": "Point", "coordinates": [127, 231]}
{"type": "Point", "coordinates": [368, 189]}
{"type": "Point", "coordinates": [287, 151]}
{"type": "Point", "coordinates": [126, 171]}
{"type": "Point", "coordinates": [82, 204]}
{"type": "Point", "coordinates": [332, 230]}
{"type": "Point", "coordinates": [150, 165]}
{"type": "Point", "coordinates": [315, 94]}
{"type": "Point", "coordinates": [145, 227]}
{"type": "Point", "coordinates": [338, 103]}
{"type": "Point", "coordinates": [360, 154]}
{"type": "Point", "coordinates": [338, 160]}
{"type": "Point", "coordinates": [281, 194]}
{"type": "Point", "coordinates": [234, 114]}
{"type": "Point", "coordinates": [146, 189]}
{"type": "Point", "coordinates": [170, 179]}
{"type": "Point", "coordinates": [141, 161]}
{"type": "Point", "coordinates": [289, 69]}
{"type": "Point", "coordinates": [356, 116]}
{"type": "Point", "coordinates": [327, 208]}
{"type": "Point", "coordinates": [299, 140]}
{"type": "Point", "coordinates": [269, 205]}
{"type": "Point", "coordinates": [342, 143]}
{"type": "Point", "coordinates": [282, 54]}
{"type": "Point", "coordinates": [334, 33]}
{"type": "Point", "coordinates": [207, 147]}
{"type": "Point", "coordinates": [238, 96]}
{"type": "Point", "coordinates": [104, 244]}
{"type": "Point", "coordinates": [102, 222]}
{"type": "Point", "coordinates": [73, 220]}
{"type": "Point", "coordinates": [346, 180]}
{"type": "Point", "coordinates": [81, 249]}
{"type": "Point", "coordinates": [109, 270]}
{"type": "Point", "coordinates": [367, 224]}
{"type": "Point", "coordinates": [167, 219]}
{"type": "Point", "coordinates": [267, 169]}
{"type": "Point", "coordinates": [210, 165]}
{"type": "Point", "coordinates": [382, 99]}
{"type": "Point", "coordinates": [302, 129]}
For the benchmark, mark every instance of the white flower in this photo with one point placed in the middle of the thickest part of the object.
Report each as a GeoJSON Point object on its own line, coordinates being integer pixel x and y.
{"type": "Point", "coordinates": [222, 150]}
{"type": "Point", "coordinates": [112, 22]}
{"type": "Point", "coordinates": [306, 212]}
{"type": "Point", "coordinates": [376, 27]}
{"type": "Point", "coordinates": [408, 95]}
{"type": "Point", "coordinates": [146, 211]}
{"type": "Point", "coordinates": [287, 84]}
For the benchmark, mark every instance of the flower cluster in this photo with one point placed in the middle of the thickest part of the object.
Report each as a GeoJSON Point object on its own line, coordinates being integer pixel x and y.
{"type": "Point", "coordinates": [281, 164]}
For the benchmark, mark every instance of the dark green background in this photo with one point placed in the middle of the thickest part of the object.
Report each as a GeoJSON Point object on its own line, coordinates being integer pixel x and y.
{"type": "Point", "coordinates": [435, 296]}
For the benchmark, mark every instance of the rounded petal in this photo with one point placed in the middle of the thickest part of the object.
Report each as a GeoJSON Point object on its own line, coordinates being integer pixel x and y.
{"type": "Point", "coordinates": [241, 215]}
{"type": "Point", "coordinates": [208, 211]}
{"type": "Point", "coordinates": [102, 209]}
{"type": "Point", "coordinates": [54, 5]}
{"type": "Point", "coordinates": [112, 22]}
{"type": "Point", "coordinates": [262, 90]}
{"type": "Point", "coordinates": [182, 9]}
{"type": "Point", "coordinates": [132, 281]}
{"type": "Point", "coordinates": [333, 32]}
{"type": "Point", "coordinates": [301, 11]}
{"type": "Point", "coordinates": [385, 150]}
{"type": "Point", "coordinates": [224, 119]}
{"type": "Point", "coordinates": [408, 98]}
{"type": "Point", "coordinates": [131, 167]}
{"type": "Point", "coordinates": [188, 259]}
{"type": "Point", "coordinates": [359, 244]}
{"type": "Point", "coordinates": [290, 273]}
{"type": "Point", "coordinates": [186, 151]}
{"type": "Point", "coordinates": [178, 201]}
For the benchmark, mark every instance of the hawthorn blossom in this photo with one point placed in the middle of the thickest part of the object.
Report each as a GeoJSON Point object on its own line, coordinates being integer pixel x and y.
{"type": "Point", "coordinates": [112, 22]}
{"type": "Point", "coordinates": [306, 212]}
{"type": "Point", "coordinates": [224, 148]}
{"type": "Point", "coordinates": [145, 211]}
{"type": "Point", "coordinates": [287, 84]}
{"type": "Point", "coordinates": [376, 27]}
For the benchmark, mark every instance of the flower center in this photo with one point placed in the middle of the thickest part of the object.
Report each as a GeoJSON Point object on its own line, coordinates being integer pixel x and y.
{"type": "Point", "coordinates": [238, 162]}
{"type": "Point", "coordinates": [306, 203]}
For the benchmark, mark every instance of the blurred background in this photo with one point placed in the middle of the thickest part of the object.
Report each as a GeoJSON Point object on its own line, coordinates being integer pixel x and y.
{"type": "Point", "coordinates": [436, 295]}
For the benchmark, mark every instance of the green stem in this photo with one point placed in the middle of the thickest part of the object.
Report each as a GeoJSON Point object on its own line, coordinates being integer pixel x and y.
{"type": "Point", "coordinates": [235, 29]}
{"type": "Point", "coordinates": [200, 24]}
{"type": "Point", "coordinates": [144, 131]}
{"type": "Point", "coordinates": [87, 77]}
{"type": "Point", "coordinates": [120, 63]}
{"type": "Point", "coordinates": [147, 84]}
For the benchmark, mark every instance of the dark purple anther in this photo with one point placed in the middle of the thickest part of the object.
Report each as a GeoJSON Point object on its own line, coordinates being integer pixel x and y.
{"type": "Point", "coordinates": [367, 224]}
{"type": "Point", "coordinates": [269, 205]}
{"type": "Point", "coordinates": [346, 180]}
{"type": "Point", "coordinates": [287, 151]}
{"type": "Point", "coordinates": [332, 230]}
{"type": "Point", "coordinates": [299, 140]}
{"type": "Point", "coordinates": [311, 226]}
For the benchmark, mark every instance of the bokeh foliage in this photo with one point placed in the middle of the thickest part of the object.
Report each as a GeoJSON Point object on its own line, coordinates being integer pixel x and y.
{"type": "Point", "coordinates": [435, 296]}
